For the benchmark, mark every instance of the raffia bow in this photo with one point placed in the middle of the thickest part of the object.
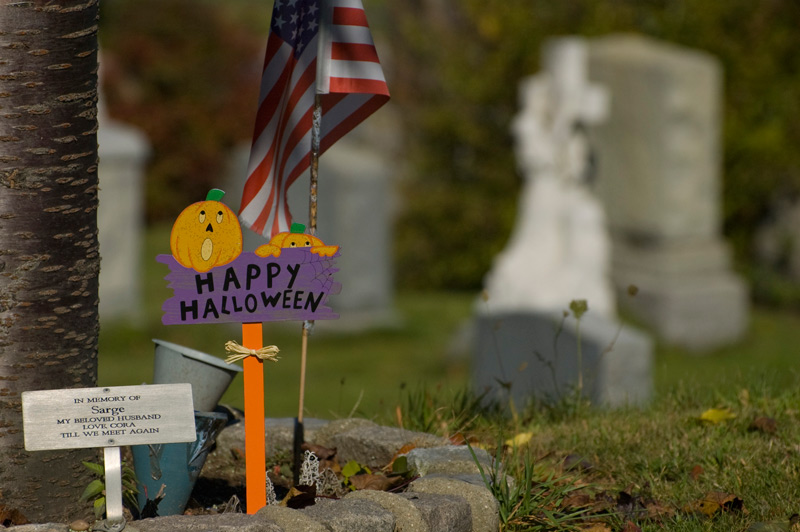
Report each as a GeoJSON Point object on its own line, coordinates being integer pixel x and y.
{"type": "Point", "coordinates": [239, 352]}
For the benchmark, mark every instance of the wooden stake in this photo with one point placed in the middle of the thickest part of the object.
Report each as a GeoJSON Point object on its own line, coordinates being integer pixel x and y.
{"type": "Point", "coordinates": [254, 437]}
{"type": "Point", "coordinates": [303, 354]}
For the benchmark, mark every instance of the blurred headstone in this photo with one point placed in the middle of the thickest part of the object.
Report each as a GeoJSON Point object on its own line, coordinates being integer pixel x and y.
{"type": "Point", "coordinates": [536, 353]}
{"type": "Point", "coordinates": [659, 179]}
{"type": "Point", "coordinates": [123, 152]}
{"type": "Point", "coordinates": [355, 211]}
{"type": "Point", "coordinates": [559, 251]}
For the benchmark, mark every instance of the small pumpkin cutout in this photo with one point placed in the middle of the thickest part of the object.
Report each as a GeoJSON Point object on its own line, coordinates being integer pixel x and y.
{"type": "Point", "coordinates": [295, 238]}
{"type": "Point", "coordinates": [206, 234]}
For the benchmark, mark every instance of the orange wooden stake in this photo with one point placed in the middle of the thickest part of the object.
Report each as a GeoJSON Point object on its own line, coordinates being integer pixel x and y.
{"type": "Point", "coordinates": [254, 437]}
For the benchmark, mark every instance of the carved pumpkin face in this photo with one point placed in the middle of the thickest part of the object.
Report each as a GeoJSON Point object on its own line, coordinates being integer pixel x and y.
{"type": "Point", "coordinates": [295, 240]}
{"type": "Point", "coordinates": [206, 234]}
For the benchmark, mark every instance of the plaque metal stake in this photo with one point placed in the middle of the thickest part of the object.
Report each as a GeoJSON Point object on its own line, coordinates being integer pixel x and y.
{"type": "Point", "coordinates": [114, 521]}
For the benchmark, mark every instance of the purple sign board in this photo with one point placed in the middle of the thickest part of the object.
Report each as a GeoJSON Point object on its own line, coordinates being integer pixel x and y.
{"type": "Point", "coordinates": [293, 286]}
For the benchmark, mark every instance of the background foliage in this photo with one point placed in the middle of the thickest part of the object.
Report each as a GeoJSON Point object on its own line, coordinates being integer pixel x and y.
{"type": "Point", "coordinates": [457, 72]}
{"type": "Point", "coordinates": [186, 71]}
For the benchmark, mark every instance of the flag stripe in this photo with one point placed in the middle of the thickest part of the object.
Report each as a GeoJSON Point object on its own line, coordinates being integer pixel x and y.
{"type": "Point", "coordinates": [356, 69]}
{"type": "Point", "coordinates": [359, 85]}
{"type": "Point", "coordinates": [349, 16]}
{"type": "Point", "coordinates": [354, 52]}
{"type": "Point", "coordinates": [351, 34]}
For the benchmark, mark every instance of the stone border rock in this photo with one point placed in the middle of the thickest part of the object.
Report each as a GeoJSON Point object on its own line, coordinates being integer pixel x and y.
{"type": "Point", "coordinates": [449, 496]}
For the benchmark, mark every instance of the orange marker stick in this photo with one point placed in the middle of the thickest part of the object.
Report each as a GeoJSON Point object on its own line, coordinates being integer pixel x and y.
{"type": "Point", "coordinates": [254, 437]}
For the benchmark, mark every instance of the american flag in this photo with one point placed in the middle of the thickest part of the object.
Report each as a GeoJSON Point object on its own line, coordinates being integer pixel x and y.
{"type": "Point", "coordinates": [349, 79]}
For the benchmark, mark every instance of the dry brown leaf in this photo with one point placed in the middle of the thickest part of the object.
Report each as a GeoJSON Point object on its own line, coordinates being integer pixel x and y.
{"type": "Point", "coordinates": [323, 453]}
{"type": "Point", "coordinates": [369, 481]}
{"type": "Point", "coordinates": [657, 511]}
{"type": "Point", "coordinates": [458, 439]}
{"type": "Point", "coordinates": [696, 472]}
{"type": "Point", "coordinates": [300, 496]}
{"type": "Point", "coordinates": [715, 501]}
{"type": "Point", "coordinates": [630, 526]}
{"type": "Point", "coordinates": [576, 500]}
{"type": "Point", "coordinates": [764, 424]}
{"type": "Point", "coordinates": [405, 449]}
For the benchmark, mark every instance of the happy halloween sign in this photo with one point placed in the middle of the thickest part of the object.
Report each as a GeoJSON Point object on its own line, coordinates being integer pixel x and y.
{"type": "Point", "coordinates": [293, 286]}
{"type": "Point", "coordinates": [290, 278]}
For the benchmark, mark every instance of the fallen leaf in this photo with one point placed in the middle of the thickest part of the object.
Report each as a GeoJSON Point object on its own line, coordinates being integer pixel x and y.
{"type": "Point", "coordinates": [656, 511]}
{"type": "Point", "coordinates": [715, 501]}
{"type": "Point", "coordinates": [596, 527]}
{"type": "Point", "coordinates": [323, 453]}
{"type": "Point", "coordinates": [630, 526]}
{"type": "Point", "coordinates": [300, 496]}
{"type": "Point", "coordinates": [405, 449]}
{"type": "Point", "coordinates": [576, 500]}
{"type": "Point", "coordinates": [519, 439]}
{"type": "Point", "coordinates": [458, 439]}
{"type": "Point", "coordinates": [717, 415]}
{"type": "Point", "coordinates": [764, 424]}
{"type": "Point", "coordinates": [369, 481]}
{"type": "Point", "coordinates": [696, 472]}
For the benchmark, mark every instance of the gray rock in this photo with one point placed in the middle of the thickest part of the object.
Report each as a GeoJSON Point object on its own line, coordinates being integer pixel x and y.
{"type": "Point", "coordinates": [350, 515]}
{"type": "Point", "coordinates": [42, 527]}
{"type": "Point", "coordinates": [442, 513]}
{"type": "Point", "coordinates": [485, 508]}
{"type": "Point", "coordinates": [371, 444]}
{"type": "Point", "coordinates": [470, 478]}
{"type": "Point", "coordinates": [279, 434]}
{"type": "Point", "coordinates": [449, 459]}
{"type": "Point", "coordinates": [206, 523]}
{"type": "Point", "coordinates": [291, 520]}
{"type": "Point", "coordinates": [407, 516]}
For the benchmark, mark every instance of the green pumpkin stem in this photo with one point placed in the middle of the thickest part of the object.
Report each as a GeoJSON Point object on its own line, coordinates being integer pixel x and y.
{"type": "Point", "coordinates": [215, 194]}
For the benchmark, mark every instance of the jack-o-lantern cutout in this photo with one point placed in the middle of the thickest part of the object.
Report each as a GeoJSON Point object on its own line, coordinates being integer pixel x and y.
{"type": "Point", "coordinates": [206, 234]}
{"type": "Point", "coordinates": [296, 238]}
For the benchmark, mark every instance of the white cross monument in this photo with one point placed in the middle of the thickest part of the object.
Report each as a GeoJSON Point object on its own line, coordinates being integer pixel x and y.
{"type": "Point", "coordinates": [559, 249]}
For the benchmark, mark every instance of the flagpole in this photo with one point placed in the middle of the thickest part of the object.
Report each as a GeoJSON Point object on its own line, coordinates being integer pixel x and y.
{"type": "Point", "coordinates": [316, 128]}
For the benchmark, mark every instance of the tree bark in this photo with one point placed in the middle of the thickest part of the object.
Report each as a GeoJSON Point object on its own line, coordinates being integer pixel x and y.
{"type": "Point", "coordinates": [49, 261]}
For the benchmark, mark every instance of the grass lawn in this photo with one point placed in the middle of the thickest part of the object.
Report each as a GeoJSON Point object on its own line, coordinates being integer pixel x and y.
{"type": "Point", "coordinates": [651, 468]}
{"type": "Point", "coordinates": [367, 371]}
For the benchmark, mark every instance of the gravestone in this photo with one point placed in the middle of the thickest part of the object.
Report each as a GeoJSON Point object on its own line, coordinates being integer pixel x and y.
{"type": "Point", "coordinates": [659, 179]}
{"type": "Point", "coordinates": [558, 252]}
{"type": "Point", "coordinates": [355, 211]}
{"type": "Point", "coordinates": [123, 153]}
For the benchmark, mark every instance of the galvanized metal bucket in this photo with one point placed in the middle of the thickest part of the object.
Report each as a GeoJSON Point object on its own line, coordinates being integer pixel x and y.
{"type": "Point", "coordinates": [208, 375]}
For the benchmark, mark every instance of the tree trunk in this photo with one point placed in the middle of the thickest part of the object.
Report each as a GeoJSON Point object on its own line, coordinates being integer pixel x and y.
{"type": "Point", "coordinates": [49, 261]}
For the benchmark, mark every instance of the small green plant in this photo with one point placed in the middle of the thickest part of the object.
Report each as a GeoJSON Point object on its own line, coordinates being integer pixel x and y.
{"type": "Point", "coordinates": [526, 500]}
{"type": "Point", "coordinates": [96, 490]}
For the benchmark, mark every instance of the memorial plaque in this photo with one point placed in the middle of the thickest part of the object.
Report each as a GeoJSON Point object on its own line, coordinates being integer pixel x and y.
{"type": "Point", "coordinates": [108, 417]}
